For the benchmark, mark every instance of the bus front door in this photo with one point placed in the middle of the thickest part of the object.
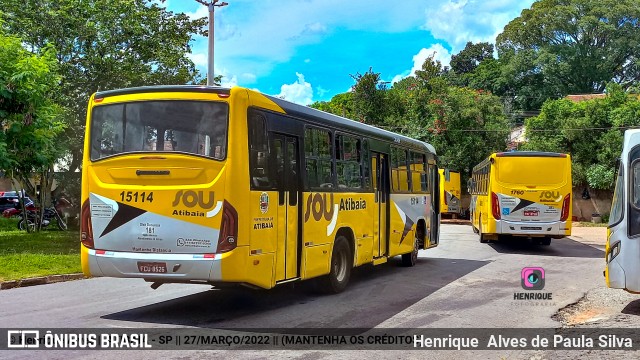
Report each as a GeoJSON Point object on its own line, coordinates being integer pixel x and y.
{"type": "Point", "coordinates": [380, 172]}
{"type": "Point", "coordinates": [288, 184]}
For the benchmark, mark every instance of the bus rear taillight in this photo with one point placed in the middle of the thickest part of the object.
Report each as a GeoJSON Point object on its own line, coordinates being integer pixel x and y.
{"type": "Point", "coordinates": [86, 232]}
{"type": "Point", "coordinates": [228, 239]}
{"type": "Point", "coordinates": [495, 206]}
{"type": "Point", "coordinates": [564, 215]}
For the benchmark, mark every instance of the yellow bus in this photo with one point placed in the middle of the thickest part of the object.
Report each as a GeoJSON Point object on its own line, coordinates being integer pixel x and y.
{"type": "Point", "coordinates": [622, 249]}
{"type": "Point", "coordinates": [194, 184]}
{"type": "Point", "coordinates": [450, 200]}
{"type": "Point", "coordinates": [522, 193]}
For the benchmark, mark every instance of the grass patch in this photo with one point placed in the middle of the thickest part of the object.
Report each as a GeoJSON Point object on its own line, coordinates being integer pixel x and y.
{"type": "Point", "coordinates": [48, 252]}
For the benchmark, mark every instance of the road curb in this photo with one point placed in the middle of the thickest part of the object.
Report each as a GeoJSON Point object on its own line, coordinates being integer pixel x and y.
{"type": "Point", "coordinates": [41, 280]}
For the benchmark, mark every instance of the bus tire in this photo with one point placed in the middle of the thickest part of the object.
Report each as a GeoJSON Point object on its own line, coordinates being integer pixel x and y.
{"type": "Point", "coordinates": [546, 241]}
{"type": "Point", "coordinates": [411, 258]}
{"type": "Point", "coordinates": [340, 271]}
{"type": "Point", "coordinates": [481, 236]}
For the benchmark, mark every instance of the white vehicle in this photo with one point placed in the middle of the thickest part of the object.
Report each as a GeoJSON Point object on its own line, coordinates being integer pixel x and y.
{"type": "Point", "coordinates": [623, 234]}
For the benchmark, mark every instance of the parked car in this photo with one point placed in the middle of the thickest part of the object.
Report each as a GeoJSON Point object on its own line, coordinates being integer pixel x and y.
{"type": "Point", "coordinates": [11, 200]}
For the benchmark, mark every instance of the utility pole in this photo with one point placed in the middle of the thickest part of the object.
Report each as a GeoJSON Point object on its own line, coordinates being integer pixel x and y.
{"type": "Point", "coordinates": [211, 5]}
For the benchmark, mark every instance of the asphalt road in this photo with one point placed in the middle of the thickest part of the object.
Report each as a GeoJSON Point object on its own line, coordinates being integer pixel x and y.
{"type": "Point", "coordinates": [462, 283]}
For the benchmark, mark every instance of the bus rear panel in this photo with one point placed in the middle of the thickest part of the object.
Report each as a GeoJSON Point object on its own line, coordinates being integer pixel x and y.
{"type": "Point", "coordinates": [533, 195]}
{"type": "Point", "coordinates": [154, 203]}
{"type": "Point", "coordinates": [524, 194]}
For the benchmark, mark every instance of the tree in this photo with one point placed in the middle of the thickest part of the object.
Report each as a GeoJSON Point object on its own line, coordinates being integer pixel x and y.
{"type": "Point", "coordinates": [591, 131]}
{"type": "Point", "coordinates": [465, 127]}
{"type": "Point", "coordinates": [103, 45]}
{"type": "Point", "coordinates": [340, 104]}
{"type": "Point", "coordinates": [368, 98]}
{"type": "Point", "coordinates": [560, 47]}
{"type": "Point", "coordinates": [30, 120]}
{"type": "Point", "coordinates": [468, 59]}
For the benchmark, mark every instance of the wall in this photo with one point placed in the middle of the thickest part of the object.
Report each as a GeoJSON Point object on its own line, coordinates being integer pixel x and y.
{"type": "Point", "coordinates": [600, 202]}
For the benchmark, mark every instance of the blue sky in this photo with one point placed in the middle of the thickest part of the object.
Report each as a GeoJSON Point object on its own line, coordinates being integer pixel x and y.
{"type": "Point", "coordinates": [305, 50]}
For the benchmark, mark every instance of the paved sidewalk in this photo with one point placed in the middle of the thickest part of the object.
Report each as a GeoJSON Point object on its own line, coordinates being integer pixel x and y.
{"type": "Point", "coordinates": [589, 235]}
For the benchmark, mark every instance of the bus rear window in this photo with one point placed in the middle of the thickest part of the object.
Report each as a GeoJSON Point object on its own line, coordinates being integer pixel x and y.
{"type": "Point", "coordinates": [193, 127]}
{"type": "Point", "coordinates": [532, 170]}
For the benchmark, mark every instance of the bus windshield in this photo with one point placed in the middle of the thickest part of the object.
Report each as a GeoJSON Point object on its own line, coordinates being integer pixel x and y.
{"type": "Point", "coordinates": [532, 170]}
{"type": "Point", "coordinates": [194, 127]}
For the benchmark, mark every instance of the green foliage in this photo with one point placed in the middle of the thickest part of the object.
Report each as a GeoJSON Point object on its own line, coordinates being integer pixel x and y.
{"type": "Point", "coordinates": [31, 121]}
{"type": "Point", "coordinates": [368, 98]}
{"type": "Point", "coordinates": [341, 105]}
{"type": "Point", "coordinates": [560, 47]}
{"type": "Point", "coordinates": [600, 177]}
{"type": "Point", "coordinates": [591, 131]}
{"type": "Point", "coordinates": [103, 45]}
{"type": "Point", "coordinates": [471, 56]}
{"type": "Point", "coordinates": [464, 125]}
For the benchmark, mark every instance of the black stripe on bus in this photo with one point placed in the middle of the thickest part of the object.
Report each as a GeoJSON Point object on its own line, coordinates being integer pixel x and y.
{"type": "Point", "coordinates": [163, 88]}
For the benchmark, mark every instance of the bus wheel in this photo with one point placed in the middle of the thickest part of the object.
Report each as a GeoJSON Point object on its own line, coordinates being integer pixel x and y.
{"type": "Point", "coordinates": [483, 239]}
{"type": "Point", "coordinates": [341, 264]}
{"type": "Point", "coordinates": [411, 258]}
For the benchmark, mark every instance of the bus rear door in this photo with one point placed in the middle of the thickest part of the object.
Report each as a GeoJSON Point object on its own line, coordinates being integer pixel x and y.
{"type": "Point", "coordinates": [289, 201]}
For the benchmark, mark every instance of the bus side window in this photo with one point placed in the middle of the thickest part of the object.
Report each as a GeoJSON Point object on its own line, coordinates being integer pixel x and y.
{"type": "Point", "coordinates": [259, 153]}
{"type": "Point", "coordinates": [318, 158]}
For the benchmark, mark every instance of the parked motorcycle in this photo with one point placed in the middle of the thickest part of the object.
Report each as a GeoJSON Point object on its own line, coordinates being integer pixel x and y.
{"type": "Point", "coordinates": [52, 213]}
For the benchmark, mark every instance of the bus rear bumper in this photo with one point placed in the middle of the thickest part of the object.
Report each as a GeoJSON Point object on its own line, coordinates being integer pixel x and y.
{"type": "Point", "coordinates": [165, 267]}
{"type": "Point", "coordinates": [558, 228]}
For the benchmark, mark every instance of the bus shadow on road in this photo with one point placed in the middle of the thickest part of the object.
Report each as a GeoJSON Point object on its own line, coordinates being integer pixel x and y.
{"type": "Point", "coordinates": [564, 247]}
{"type": "Point", "coordinates": [374, 295]}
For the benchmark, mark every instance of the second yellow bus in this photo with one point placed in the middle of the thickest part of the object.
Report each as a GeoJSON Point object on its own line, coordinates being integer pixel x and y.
{"type": "Point", "coordinates": [522, 193]}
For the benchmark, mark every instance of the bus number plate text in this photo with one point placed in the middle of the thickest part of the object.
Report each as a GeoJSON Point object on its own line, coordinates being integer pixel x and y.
{"type": "Point", "coordinates": [152, 267]}
{"type": "Point", "coordinates": [135, 196]}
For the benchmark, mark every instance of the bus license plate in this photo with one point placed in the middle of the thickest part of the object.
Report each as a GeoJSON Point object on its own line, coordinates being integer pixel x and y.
{"type": "Point", "coordinates": [531, 228]}
{"type": "Point", "coordinates": [152, 267]}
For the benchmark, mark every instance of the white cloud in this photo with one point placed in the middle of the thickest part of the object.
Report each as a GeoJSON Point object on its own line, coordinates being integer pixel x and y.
{"type": "Point", "coordinates": [249, 77]}
{"type": "Point", "coordinates": [439, 53]}
{"type": "Point", "coordinates": [307, 61]}
{"type": "Point", "coordinates": [229, 82]}
{"type": "Point", "coordinates": [253, 34]}
{"type": "Point", "coordinates": [314, 28]}
{"type": "Point", "coordinates": [321, 91]}
{"type": "Point", "coordinates": [300, 92]}
{"type": "Point", "coordinates": [459, 21]}
{"type": "Point", "coordinates": [200, 59]}
{"type": "Point", "coordinates": [201, 11]}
